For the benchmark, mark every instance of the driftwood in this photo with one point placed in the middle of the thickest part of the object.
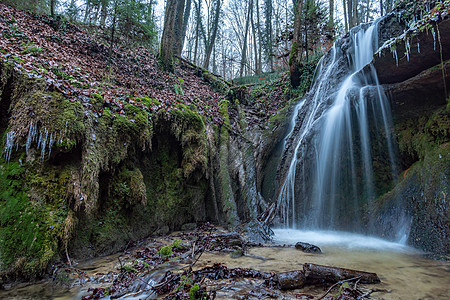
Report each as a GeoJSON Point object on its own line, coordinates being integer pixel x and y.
{"type": "Point", "coordinates": [334, 274]}
{"type": "Point", "coordinates": [290, 280]}
{"type": "Point", "coordinates": [268, 215]}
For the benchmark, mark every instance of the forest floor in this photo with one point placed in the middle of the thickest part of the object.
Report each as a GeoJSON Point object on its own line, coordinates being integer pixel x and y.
{"type": "Point", "coordinates": [79, 62]}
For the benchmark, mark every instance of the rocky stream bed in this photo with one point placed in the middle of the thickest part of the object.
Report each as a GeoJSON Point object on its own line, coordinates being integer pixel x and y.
{"type": "Point", "coordinates": [213, 263]}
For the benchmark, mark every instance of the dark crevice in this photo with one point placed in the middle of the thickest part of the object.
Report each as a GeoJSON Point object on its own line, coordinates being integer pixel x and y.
{"type": "Point", "coordinates": [5, 104]}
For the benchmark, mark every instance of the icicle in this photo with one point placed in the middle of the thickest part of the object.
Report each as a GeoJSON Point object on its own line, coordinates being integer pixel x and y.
{"type": "Point", "coordinates": [395, 56]}
{"type": "Point", "coordinates": [65, 129]}
{"type": "Point", "coordinates": [408, 48]}
{"type": "Point", "coordinates": [44, 144]}
{"type": "Point", "coordinates": [50, 145]}
{"type": "Point", "coordinates": [434, 38]}
{"type": "Point", "coordinates": [32, 132]}
{"type": "Point", "coordinates": [40, 140]}
{"type": "Point", "coordinates": [9, 144]}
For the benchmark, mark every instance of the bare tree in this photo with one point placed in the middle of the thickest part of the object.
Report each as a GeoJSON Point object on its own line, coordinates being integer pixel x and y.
{"type": "Point", "coordinates": [211, 38]}
{"type": "Point", "coordinates": [244, 48]}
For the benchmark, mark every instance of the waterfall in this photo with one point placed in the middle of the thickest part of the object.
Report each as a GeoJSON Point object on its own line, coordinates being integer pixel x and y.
{"type": "Point", "coordinates": [342, 139]}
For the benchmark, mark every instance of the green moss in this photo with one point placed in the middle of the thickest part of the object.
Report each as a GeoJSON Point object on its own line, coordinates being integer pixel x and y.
{"type": "Point", "coordinates": [96, 101]}
{"type": "Point", "coordinates": [32, 218]}
{"type": "Point", "coordinates": [194, 292]}
{"type": "Point", "coordinates": [149, 102]}
{"type": "Point", "coordinates": [293, 54]}
{"type": "Point", "coordinates": [419, 136]}
{"type": "Point", "coordinates": [165, 251]}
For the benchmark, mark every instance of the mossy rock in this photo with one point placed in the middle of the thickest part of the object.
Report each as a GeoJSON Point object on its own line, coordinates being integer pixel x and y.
{"type": "Point", "coordinates": [32, 218]}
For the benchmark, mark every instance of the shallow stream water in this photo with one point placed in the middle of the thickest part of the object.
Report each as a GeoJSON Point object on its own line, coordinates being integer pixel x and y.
{"type": "Point", "coordinates": [404, 272]}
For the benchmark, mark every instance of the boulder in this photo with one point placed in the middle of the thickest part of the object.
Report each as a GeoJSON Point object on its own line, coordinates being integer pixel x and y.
{"type": "Point", "coordinates": [307, 248]}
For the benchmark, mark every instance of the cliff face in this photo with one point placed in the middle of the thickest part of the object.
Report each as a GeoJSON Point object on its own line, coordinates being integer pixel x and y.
{"type": "Point", "coordinates": [414, 71]}
{"type": "Point", "coordinates": [97, 156]}
{"type": "Point", "coordinates": [79, 183]}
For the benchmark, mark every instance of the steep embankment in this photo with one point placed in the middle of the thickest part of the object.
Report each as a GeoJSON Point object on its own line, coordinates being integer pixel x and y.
{"type": "Point", "coordinates": [102, 148]}
{"type": "Point", "coordinates": [414, 70]}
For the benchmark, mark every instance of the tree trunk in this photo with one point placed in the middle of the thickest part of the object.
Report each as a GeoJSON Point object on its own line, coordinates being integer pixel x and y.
{"type": "Point", "coordinates": [104, 13]}
{"type": "Point", "coordinates": [52, 7]}
{"type": "Point", "coordinates": [168, 37]}
{"type": "Point", "coordinates": [87, 11]}
{"type": "Point", "coordinates": [355, 13]}
{"type": "Point", "coordinates": [212, 37]}
{"type": "Point", "coordinates": [197, 29]}
{"type": "Point", "coordinates": [244, 48]}
{"type": "Point", "coordinates": [187, 13]}
{"type": "Point", "coordinates": [268, 33]}
{"type": "Point", "coordinates": [258, 25]}
{"type": "Point", "coordinates": [344, 3]}
{"type": "Point", "coordinates": [255, 46]}
{"type": "Point", "coordinates": [331, 7]}
{"type": "Point", "coordinates": [294, 61]}
{"type": "Point", "coordinates": [113, 29]}
{"type": "Point", "coordinates": [381, 8]}
{"type": "Point", "coordinates": [178, 29]}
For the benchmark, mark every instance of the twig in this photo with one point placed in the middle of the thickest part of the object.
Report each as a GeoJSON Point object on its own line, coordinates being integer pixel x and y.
{"type": "Point", "coordinates": [121, 266]}
{"type": "Point", "coordinates": [373, 291]}
{"type": "Point", "coordinates": [336, 284]}
{"type": "Point", "coordinates": [356, 283]}
{"type": "Point", "coordinates": [365, 294]}
{"type": "Point", "coordinates": [68, 258]}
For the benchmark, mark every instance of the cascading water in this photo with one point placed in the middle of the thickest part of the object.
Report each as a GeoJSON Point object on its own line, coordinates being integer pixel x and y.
{"type": "Point", "coordinates": [342, 139]}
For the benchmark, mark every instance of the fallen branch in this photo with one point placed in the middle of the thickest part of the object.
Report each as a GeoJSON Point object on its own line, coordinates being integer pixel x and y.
{"type": "Point", "coordinates": [336, 284]}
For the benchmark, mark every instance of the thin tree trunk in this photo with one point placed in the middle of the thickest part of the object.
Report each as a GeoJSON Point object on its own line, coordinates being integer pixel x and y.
{"type": "Point", "coordinates": [255, 46]}
{"type": "Point", "coordinates": [258, 25]}
{"type": "Point", "coordinates": [212, 38]}
{"type": "Point", "coordinates": [52, 7]}
{"type": "Point", "coordinates": [197, 30]}
{"type": "Point", "coordinates": [187, 13]}
{"type": "Point", "coordinates": [87, 11]}
{"type": "Point", "coordinates": [331, 7]}
{"type": "Point", "coordinates": [244, 48]}
{"type": "Point", "coordinates": [367, 10]}
{"type": "Point", "coordinates": [381, 7]}
{"type": "Point", "coordinates": [355, 13]}
{"type": "Point", "coordinates": [113, 29]}
{"type": "Point", "coordinates": [344, 3]}
{"type": "Point", "coordinates": [104, 13]}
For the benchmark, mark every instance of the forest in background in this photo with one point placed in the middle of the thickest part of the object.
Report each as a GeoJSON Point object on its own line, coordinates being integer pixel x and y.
{"type": "Point", "coordinates": [236, 39]}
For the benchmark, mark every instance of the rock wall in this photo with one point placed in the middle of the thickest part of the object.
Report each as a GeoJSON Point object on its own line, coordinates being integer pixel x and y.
{"type": "Point", "coordinates": [417, 81]}
{"type": "Point", "coordinates": [76, 183]}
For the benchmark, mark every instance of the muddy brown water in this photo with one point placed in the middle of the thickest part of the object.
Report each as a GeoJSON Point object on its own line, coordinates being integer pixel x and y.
{"type": "Point", "coordinates": [404, 272]}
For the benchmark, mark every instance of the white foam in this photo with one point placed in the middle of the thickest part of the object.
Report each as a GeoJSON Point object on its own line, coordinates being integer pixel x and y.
{"type": "Point", "coordinates": [345, 240]}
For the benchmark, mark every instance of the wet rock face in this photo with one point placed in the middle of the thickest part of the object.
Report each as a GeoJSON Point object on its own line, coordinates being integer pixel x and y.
{"type": "Point", "coordinates": [424, 191]}
{"type": "Point", "coordinates": [415, 53]}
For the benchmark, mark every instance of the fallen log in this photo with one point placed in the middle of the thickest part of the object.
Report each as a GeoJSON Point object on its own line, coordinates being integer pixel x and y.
{"type": "Point", "coordinates": [290, 280]}
{"type": "Point", "coordinates": [335, 274]}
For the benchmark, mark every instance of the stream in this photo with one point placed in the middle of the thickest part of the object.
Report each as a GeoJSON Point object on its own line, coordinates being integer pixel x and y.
{"type": "Point", "coordinates": [405, 273]}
